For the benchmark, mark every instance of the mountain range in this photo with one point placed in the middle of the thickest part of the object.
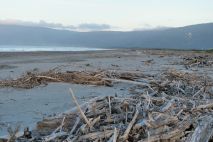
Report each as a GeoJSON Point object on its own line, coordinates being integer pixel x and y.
{"type": "Point", "coordinates": [198, 36]}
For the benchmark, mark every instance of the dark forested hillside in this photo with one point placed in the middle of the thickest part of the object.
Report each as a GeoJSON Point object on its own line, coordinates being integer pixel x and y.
{"type": "Point", "coordinates": [189, 37]}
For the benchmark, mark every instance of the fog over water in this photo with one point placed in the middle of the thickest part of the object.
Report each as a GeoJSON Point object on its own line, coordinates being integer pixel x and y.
{"type": "Point", "coordinates": [12, 48]}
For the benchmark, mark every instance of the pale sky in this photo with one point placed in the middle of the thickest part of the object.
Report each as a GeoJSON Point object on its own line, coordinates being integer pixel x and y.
{"type": "Point", "coordinates": [123, 14]}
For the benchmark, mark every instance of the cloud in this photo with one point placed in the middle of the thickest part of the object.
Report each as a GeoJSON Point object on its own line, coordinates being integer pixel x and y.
{"type": "Point", "coordinates": [94, 27]}
{"type": "Point", "coordinates": [42, 23]}
{"type": "Point", "coordinates": [55, 25]}
{"type": "Point", "coordinates": [148, 27]}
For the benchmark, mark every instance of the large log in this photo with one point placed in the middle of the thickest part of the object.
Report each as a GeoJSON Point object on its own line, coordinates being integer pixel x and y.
{"type": "Point", "coordinates": [204, 130]}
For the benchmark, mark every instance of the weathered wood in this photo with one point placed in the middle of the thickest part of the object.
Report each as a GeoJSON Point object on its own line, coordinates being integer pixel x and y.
{"type": "Point", "coordinates": [13, 133]}
{"type": "Point", "coordinates": [96, 120]}
{"type": "Point", "coordinates": [69, 138]}
{"type": "Point", "coordinates": [127, 81]}
{"type": "Point", "coordinates": [168, 105]}
{"type": "Point", "coordinates": [206, 106]}
{"type": "Point", "coordinates": [124, 137]}
{"type": "Point", "coordinates": [54, 135]}
{"type": "Point", "coordinates": [50, 78]}
{"type": "Point", "coordinates": [75, 125]}
{"type": "Point", "coordinates": [204, 130]}
{"type": "Point", "coordinates": [79, 108]}
{"type": "Point", "coordinates": [114, 136]}
{"type": "Point", "coordinates": [168, 111]}
{"type": "Point", "coordinates": [95, 135]}
{"type": "Point", "coordinates": [110, 108]}
{"type": "Point", "coordinates": [198, 92]}
{"type": "Point", "coordinates": [167, 121]}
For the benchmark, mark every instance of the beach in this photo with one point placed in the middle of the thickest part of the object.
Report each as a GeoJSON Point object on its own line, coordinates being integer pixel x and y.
{"type": "Point", "coordinates": [28, 106]}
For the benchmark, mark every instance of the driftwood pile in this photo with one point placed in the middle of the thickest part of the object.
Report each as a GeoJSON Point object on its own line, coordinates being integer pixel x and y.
{"type": "Point", "coordinates": [198, 61]}
{"type": "Point", "coordinates": [173, 106]}
{"type": "Point", "coordinates": [33, 79]}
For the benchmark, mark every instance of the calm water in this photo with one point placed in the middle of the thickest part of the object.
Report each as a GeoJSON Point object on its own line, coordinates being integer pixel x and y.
{"type": "Point", "coordinates": [8, 48]}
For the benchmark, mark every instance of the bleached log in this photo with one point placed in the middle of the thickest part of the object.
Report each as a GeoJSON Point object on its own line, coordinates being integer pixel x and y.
{"type": "Point", "coordinates": [95, 135]}
{"type": "Point", "coordinates": [75, 125]}
{"type": "Point", "coordinates": [62, 124]}
{"type": "Point", "coordinates": [179, 112]}
{"type": "Point", "coordinates": [110, 109]}
{"type": "Point", "coordinates": [141, 123]}
{"type": "Point", "coordinates": [96, 120]}
{"type": "Point", "coordinates": [124, 137]}
{"type": "Point", "coordinates": [204, 130]}
{"type": "Point", "coordinates": [206, 106]}
{"type": "Point", "coordinates": [79, 108]}
{"type": "Point", "coordinates": [68, 139]}
{"type": "Point", "coordinates": [85, 128]}
{"type": "Point", "coordinates": [54, 135]}
{"type": "Point", "coordinates": [83, 107]}
{"type": "Point", "coordinates": [168, 105]}
{"type": "Point", "coordinates": [13, 133]}
{"type": "Point", "coordinates": [159, 130]}
{"type": "Point", "coordinates": [94, 105]}
{"type": "Point", "coordinates": [114, 136]}
{"type": "Point", "coordinates": [127, 81]}
{"type": "Point", "coordinates": [182, 126]}
{"type": "Point", "coordinates": [73, 139]}
{"type": "Point", "coordinates": [50, 78]}
{"type": "Point", "coordinates": [167, 121]}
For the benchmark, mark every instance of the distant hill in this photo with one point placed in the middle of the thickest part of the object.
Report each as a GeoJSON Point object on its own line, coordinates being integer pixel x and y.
{"type": "Point", "coordinates": [190, 37]}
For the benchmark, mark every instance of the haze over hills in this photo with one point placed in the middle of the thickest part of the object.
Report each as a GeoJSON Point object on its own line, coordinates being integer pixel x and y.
{"type": "Point", "coordinates": [190, 37]}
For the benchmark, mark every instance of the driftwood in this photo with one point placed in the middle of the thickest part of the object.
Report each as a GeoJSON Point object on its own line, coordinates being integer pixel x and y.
{"type": "Point", "coordinates": [198, 61]}
{"type": "Point", "coordinates": [13, 133]}
{"type": "Point", "coordinates": [79, 109]}
{"type": "Point", "coordinates": [114, 136]}
{"type": "Point", "coordinates": [32, 79]}
{"type": "Point", "coordinates": [170, 107]}
{"type": "Point", "coordinates": [126, 133]}
{"type": "Point", "coordinates": [204, 130]}
{"type": "Point", "coordinates": [56, 133]}
{"type": "Point", "coordinates": [75, 125]}
{"type": "Point", "coordinates": [95, 135]}
{"type": "Point", "coordinates": [126, 81]}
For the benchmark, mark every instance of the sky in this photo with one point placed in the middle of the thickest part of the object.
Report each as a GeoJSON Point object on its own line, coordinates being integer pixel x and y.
{"type": "Point", "coordinates": [107, 14]}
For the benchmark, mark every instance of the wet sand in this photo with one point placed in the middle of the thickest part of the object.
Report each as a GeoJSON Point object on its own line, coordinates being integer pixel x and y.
{"type": "Point", "coordinates": [26, 107]}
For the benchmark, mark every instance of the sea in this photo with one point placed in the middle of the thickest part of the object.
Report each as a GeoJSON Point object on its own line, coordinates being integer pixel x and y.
{"type": "Point", "coordinates": [15, 48]}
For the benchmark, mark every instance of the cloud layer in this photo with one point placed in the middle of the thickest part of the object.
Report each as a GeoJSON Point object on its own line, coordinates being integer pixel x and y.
{"type": "Point", "coordinates": [41, 23]}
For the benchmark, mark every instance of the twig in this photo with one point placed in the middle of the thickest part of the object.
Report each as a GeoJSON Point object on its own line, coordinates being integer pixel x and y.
{"type": "Point", "coordinates": [198, 92]}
